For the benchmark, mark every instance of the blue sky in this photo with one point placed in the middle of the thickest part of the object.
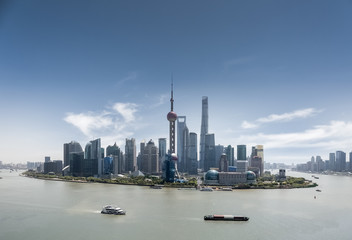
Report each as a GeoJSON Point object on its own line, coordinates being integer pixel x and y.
{"type": "Point", "coordinates": [277, 73]}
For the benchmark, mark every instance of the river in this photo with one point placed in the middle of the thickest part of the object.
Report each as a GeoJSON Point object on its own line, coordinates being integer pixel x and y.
{"type": "Point", "coordinates": [49, 210]}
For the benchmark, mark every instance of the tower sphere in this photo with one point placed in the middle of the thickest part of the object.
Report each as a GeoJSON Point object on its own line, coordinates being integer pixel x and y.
{"type": "Point", "coordinates": [171, 116]}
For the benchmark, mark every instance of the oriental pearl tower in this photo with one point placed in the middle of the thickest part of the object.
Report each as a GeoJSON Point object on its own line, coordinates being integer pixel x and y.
{"type": "Point", "coordinates": [172, 117]}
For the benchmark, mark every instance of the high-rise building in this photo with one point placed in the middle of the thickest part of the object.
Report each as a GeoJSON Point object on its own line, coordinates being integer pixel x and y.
{"type": "Point", "coordinates": [150, 162]}
{"type": "Point", "coordinates": [340, 161]}
{"type": "Point", "coordinates": [192, 161]}
{"type": "Point", "coordinates": [219, 150]}
{"type": "Point", "coordinates": [93, 151]}
{"type": "Point", "coordinates": [108, 165]}
{"type": "Point", "coordinates": [209, 152]}
{"type": "Point", "coordinates": [332, 161]}
{"type": "Point", "coordinates": [72, 147]}
{"type": "Point", "coordinates": [117, 155]}
{"type": "Point", "coordinates": [182, 137]}
{"type": "Point", "coordinates": [257, 160]}
{"type": "Point", "coordinates": [203, 131]}
{"type": "Point", "coordinates": [47, 159]}
{"type": "Point", "coordinates": [223, 163]}
{"type": "Point", "coordinates": [350, 163]}
{"type": "Point", "coordinates": [130, 155]}
{"type": "Point", "coordinates": [162, 151]}
{"type": "Point", "coordinates": [241, 152]}
{"type": "Point", "coordinates": [229, 150]}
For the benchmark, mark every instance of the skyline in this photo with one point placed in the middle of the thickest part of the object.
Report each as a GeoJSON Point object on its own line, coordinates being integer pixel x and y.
{"type": "Point", "coordinates": [275, 73]}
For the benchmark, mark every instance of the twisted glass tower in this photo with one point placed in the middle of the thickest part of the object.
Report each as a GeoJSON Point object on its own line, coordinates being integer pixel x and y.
{"type": "Point", "coordinates": [203, 130]}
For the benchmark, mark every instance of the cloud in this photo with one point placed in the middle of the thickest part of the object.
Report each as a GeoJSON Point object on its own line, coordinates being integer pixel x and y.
{"type": "Point", "coordinates": [301, 113]}
{"type": "Point", "coordinates": [336, 135]}
{"type": "Point", "coordinates": [160, 100]}
{"type": "Point", "coordinates": [108, 124]}
{"type": "Point", "coordinates": [127, 110]}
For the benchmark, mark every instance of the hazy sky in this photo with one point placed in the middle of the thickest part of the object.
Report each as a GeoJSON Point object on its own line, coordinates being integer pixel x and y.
{"type": "Point", "coordinates": [277, 73]}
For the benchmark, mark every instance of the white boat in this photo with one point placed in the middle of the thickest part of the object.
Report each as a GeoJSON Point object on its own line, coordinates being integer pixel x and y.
{"type": "Point", "coordinates": [109, 209]}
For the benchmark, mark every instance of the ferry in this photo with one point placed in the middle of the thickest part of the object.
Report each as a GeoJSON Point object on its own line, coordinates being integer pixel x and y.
{"type": "Point", "coordinates": [225, 218]}
{"type": "Point", "coordinates": [113, 210]}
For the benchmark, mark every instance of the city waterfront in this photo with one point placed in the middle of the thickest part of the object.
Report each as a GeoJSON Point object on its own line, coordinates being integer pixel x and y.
{"type": "Point", "coordinates": [41, 209]}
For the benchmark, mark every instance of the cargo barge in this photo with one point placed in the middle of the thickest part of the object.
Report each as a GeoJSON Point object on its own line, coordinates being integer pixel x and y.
{"type": "Point", "coordinates": [225, 218]}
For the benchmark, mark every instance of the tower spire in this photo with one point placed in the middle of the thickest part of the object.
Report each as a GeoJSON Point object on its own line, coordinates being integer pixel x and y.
{"type": "Point", "coordinates": [172, 93]}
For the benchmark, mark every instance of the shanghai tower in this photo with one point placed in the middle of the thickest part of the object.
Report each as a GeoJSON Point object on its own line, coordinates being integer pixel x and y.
{"type": "Point", "coordinates": [203, 130]}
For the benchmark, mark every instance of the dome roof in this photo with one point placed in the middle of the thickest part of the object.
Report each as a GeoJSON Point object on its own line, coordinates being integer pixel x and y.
{"type": "Point", "coordinates": [212, 175]}
{"type": "Point", "coordinates": [171, 116]}
{"type": "Point", "coordinates": [251, 175]}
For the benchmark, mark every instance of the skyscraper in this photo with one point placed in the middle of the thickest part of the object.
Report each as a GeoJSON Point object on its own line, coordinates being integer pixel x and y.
{"type": "Point", "coordinates": [241, 152]}
{"type": "Point", "coordinates": [162, 151]}
{"type": "Point", "coordinates": [192, 161]}
{"type": "Point", "coordinates": [130, 155]}
{"type": "Point", "coordinates": [93, 151]}
{"type": "Point", "coordinates": [117, 155]}
{"type": "Point", "coordinates": [182, 133]}
{"type": "Point", "coordinates": [72, 147]}
{"type": "Point", "coordinates": [203, 130]}
{"type": "Point", "coordinates": [340, 161]}
{"type": "Point", "coordinates": [209, 152]}
{"type": "Point", "coordinates": [332, 161]}
{"type": "Point", "coordinates": [150, 162]}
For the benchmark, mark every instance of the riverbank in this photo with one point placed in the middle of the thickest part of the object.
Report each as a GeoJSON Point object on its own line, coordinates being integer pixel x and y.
{"type": "Point", "coordinates": [267, 182]}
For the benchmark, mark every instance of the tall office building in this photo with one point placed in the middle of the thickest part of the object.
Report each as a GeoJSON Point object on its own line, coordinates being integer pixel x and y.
{"type": "Point", "coordinates": [192, 161]}
{"type": "Point", "coordinates": [130, 155]}
{"type": "Point", "coordinates": [182, 135]}
{"type": "Point", "coordinates": [209, 152]}
{"type": "Point", "coordinates": [93, 151]}
{"type": "Point", "coordinates": [150, 161]}
{"type": "Point", "coordinates": [260, 154]}
{"type": "Point", "coordinates": [332, 161]}
{"type": "Point", "coordinates": [223, 163]}
{"type": "Point", "coordinates": [229, 150]}
{"type": "Point", "coordinates": [219, 150]}
{"type": "Point", "coordinates": [203, 131]}
{"type": "Point", "coordinates": [162, 151]}
{"type": "Point", "coordinates": [350, 163]}
{"type": "Point", "coordinates": [241, 152]}
{"type": "Point", "coordinates": [340, 161]}
{"type": "Point", "coordinates": [72, 147]}
{"type": "Point", "coordinates": [117, 156]}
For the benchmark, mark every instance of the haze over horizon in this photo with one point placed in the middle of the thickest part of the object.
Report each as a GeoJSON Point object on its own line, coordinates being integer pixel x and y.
{"type": "Point", "coordinates": [277, 73]}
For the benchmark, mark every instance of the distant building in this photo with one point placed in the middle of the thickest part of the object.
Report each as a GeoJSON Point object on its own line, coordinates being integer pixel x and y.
{"type": "Point", "coordinates": [47, 159]}
{"type": "Point", "coordinates": [71, 147]}
{"type": "Point", "coordinates": [117, 155]}
{"type": "Point", "coordinates": [108, 166]}
{"type": "Point", "coordinates": [241, 152]}
{"type": "Point", "coordinates": [203, 131]}
{"type": "Point", "coordinates": [130, 155]}
{"type": "Point", "coordinates": [332, 161]}
{"type": "Point", "coordinates": [150, 162]}
{"type": "Point", "coordinates": [182, 137]}
{"type": "Point", "coordinates": [223, 163]}
{"type": "Point", "coordinates": [242, 166]}
{"type": "Point", "coordinates": [209, 152]}
{"type": "Point", "coordinates": [213, 177]}
{"type": "Point", "coordinates": [340, 161]}
{"type": "Point", "coordinates": [162, 151]}
{"type": "Point", "coordinates": [93, 151]}
{"type": "Point", "coordinates": [53, 166]}
{"type": "Point", "coordinates": [229, 150]}
{"type": "Point", "coordinates": [192, 161]}
{"type": "Point", "coordinates": [219, 150]}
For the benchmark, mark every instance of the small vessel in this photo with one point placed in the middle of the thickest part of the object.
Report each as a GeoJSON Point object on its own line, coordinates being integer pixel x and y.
{"type": "Point", "coordinates": [113, 210]}
{"type": "Point", "coordinates": [227, 189]}
{"type": "Point", "coordinates": [318, 190]}
{"type": "Point", "coordinates": [156, 187]}
{"type": "Point", "coordinates": [207, 189]}
{"type": "Point", "coordinates": [225, 218]}
{"type": "Point", "coordinates": [316, 177]}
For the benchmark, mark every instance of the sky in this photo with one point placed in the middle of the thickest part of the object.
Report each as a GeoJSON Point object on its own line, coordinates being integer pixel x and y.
{"type": "Point", "coordinates": [276, 73]}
